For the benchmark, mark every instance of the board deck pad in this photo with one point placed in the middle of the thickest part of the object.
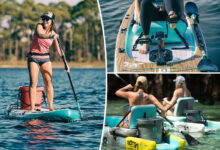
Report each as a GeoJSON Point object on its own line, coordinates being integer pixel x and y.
{"type": "Point", "coordinates": [132, 61]}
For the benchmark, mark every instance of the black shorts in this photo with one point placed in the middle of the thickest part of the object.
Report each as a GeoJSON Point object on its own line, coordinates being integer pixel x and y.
{"type": "Point", "coordinates": [39, 61]}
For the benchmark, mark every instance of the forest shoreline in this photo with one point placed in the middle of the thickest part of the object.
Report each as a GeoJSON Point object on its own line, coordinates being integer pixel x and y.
{"type": "Point", "coordinates": [57, 64]}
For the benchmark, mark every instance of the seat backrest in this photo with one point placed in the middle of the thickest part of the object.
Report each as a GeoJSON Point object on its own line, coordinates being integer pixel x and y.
{"type": "Point", "coordinates": [141, 111]}
{"type": "Point", "coordinates": [161, 26]}
{"type": "Point", "coordinates": [183, 103]}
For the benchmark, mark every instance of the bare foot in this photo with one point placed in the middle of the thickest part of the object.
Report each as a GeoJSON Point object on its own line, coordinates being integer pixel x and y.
{"type": "Point", "coordinates": [143, 49]}
{"type": "Point", "coordinates": [51, 109]}
{"type": "Point", "coordinates": [172, 15]}
{"type": "Point", "coordinates": [29, 111]}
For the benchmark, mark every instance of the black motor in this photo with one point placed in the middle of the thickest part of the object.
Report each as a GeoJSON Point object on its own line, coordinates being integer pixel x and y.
{"type": "Point", "coordinates": [161, 56]}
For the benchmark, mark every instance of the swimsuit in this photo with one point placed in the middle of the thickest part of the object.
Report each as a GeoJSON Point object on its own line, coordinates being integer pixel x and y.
{"type": "Point", "coordinates": [39, 51]}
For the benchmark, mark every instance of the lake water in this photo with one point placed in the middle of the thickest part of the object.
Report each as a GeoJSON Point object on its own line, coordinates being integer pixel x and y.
{"type": "Point", "coordinates": [113, 12]}
{"type": "Point", "coordinates": [209, 141]}
{"type": "Point", "coordinates": [89, 85]}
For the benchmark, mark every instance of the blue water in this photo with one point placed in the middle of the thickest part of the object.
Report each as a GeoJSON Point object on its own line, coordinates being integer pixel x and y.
{"type": "Point", "coordinates": [89, 85]}
{"type": "Point", "coordinates": [113, 12]}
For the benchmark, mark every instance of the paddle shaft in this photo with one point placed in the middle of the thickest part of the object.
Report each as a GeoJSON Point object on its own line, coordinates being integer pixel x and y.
{"type": "Point", "coordinates": [123, 118]}
{"type": "Point", "coordinates": [68, 74]}
{"type": "Point", "coordinates": [121, 79]}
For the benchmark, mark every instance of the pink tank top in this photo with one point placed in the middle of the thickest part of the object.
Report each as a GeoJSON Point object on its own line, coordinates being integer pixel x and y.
{"type": "Point", "coordinates": [40, 46]}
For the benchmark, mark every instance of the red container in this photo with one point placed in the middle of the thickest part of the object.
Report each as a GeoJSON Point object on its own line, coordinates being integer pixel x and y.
{"type": "Point", "coordinates": [24, 97]}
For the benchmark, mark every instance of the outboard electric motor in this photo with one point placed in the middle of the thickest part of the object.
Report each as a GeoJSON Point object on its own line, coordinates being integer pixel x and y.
{"type": "Point", "coordinates": [150, 128]}
{"type": "Point", "coordinates": [161, 55]}
{"type": "Point", "coordinates": [195, 116]}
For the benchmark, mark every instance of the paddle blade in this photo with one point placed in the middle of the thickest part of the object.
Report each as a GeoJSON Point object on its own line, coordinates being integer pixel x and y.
{"type": "Point", "coordinates": [190, 140]}
{"type": "Point", "coordinates": [206, 65]}
{"type": "Point", "coordinates": [191, 8]}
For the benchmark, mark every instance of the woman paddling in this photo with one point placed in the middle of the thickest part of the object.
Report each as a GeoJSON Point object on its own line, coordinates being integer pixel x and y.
{"type": "Point", "coordinates": [180, 91]}
{"type": "Point", "coordinates": [147, 12]}
{"type": "Point", "coordinates": [38, 57]}
{"type": "Point", "coordinates": [138, 97]}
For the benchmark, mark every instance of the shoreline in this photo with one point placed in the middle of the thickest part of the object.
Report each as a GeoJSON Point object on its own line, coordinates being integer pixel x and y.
{"type": "Point", "coordinates": [23, 64]}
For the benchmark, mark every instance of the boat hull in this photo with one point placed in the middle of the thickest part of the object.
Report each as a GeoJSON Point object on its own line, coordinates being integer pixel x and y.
{"type": "Point", "coordinates": [181, 124]}
{"type": "Point", "coordinates": [170, 142]}
{"type": "Point", "coordinates": [62, 115]}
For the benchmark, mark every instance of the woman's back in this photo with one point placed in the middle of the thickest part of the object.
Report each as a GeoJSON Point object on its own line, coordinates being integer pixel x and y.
{"type": "Point", "coordinates": [138, 98]}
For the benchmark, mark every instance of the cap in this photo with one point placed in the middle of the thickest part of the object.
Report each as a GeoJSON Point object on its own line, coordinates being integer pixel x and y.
{"type": "Point", "coordinates": [48, 14]}
{"type": "Point", "coordinates": [179, 79]}
{"type": "Point", "coordinates": [142, 79]}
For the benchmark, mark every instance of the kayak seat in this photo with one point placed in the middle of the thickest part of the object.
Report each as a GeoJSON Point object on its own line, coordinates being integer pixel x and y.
{"type": "Point", "coordinates": [112, 121]}
{"type": "Point", "coordinates": [183, 103]}
{"type": "Point", "coordinates": [141, 111]}
{"type": "Point", "coordinates": [161, 26]}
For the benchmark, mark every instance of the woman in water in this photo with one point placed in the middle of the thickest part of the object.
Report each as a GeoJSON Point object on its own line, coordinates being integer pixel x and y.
{"type": "Point", "coordinates": [139, 96]}
{"type": "Point", "coordinates": [180, 91]}
{"type": "Point", "coordinates": [146, 12]}
{"type": "Point", "coordinates": [38, 57]}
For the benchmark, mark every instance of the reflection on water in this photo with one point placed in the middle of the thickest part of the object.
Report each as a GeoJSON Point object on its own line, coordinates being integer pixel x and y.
{"type": "Point", "coordinates": [39, 132]}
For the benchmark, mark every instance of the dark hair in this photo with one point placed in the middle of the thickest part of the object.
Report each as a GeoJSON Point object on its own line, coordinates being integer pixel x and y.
{"type": "Point", "coordinates": [53, 26]}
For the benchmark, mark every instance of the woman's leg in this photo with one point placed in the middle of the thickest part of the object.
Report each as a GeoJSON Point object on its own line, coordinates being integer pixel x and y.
{"type": "Point", "coordinates": [46, 71]}
{"type": "Point", "coordinates": [177, 7]}
{"type": "Point", "coordinates": [148, 13]}
{"type": "Point", "coordinates": [33, 74]}
{"type": "Point", "coordinates": [169, 113]}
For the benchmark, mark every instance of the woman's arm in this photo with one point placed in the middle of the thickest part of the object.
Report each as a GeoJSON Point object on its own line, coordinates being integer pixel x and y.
{"type": "Point", "coordinates": [138, 11]}
{"type": "Point", "coordinates": [156, 103]}
{"type": "Point", "coordinates": [123, 92]}
{"type": "Point", "coordinates": [41, 32]}
{"type": "Point", "coordinates": [57, 47]}
{"type": "Point", "coordinates": [172, 102]}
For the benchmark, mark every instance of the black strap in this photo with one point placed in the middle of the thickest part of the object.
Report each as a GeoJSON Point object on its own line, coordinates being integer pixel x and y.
{"type": "Point", "coordinates": [136, 42]}
{"type": "Point", "coordinates": [44, 98]}
{"type": "Point", "coordinates": [181, 37]}
{"type": "Point", "coordinates": [38, 54]}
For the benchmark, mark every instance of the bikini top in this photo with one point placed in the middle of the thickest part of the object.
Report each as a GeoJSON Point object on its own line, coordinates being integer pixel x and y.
{"type": "Point", "coordinates": [180, 92]}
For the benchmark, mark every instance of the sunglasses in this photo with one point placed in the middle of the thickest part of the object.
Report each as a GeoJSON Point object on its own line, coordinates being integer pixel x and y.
{"type": "Point", "coordinates": [46, 18]}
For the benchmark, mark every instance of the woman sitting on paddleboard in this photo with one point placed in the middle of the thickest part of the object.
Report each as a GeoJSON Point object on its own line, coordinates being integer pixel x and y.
{"type": "Point", "coordinates": [147, 12]}
{"type": "Point", "coordinates": [38, 57]}
{"type": "Point", "coordinates": [138, 97]}
{"type": "Point", "coordinates": [180, 91]}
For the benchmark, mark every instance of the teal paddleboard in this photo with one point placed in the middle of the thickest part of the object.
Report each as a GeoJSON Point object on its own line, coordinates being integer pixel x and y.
{"type": "Point", "coordinates": [62, 115]}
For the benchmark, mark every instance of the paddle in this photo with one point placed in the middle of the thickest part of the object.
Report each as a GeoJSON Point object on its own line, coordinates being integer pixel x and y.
{"type": "Point", "coordinates": [190, 140]}
{"type": "Point", "coordinates": [68, 73]}
{"type": "Point", "coordinates": [123, 118]}
{"type": "Point", "coordinates": [205, 65]}
{"type": "Point", "coordinates": [121, 79]}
